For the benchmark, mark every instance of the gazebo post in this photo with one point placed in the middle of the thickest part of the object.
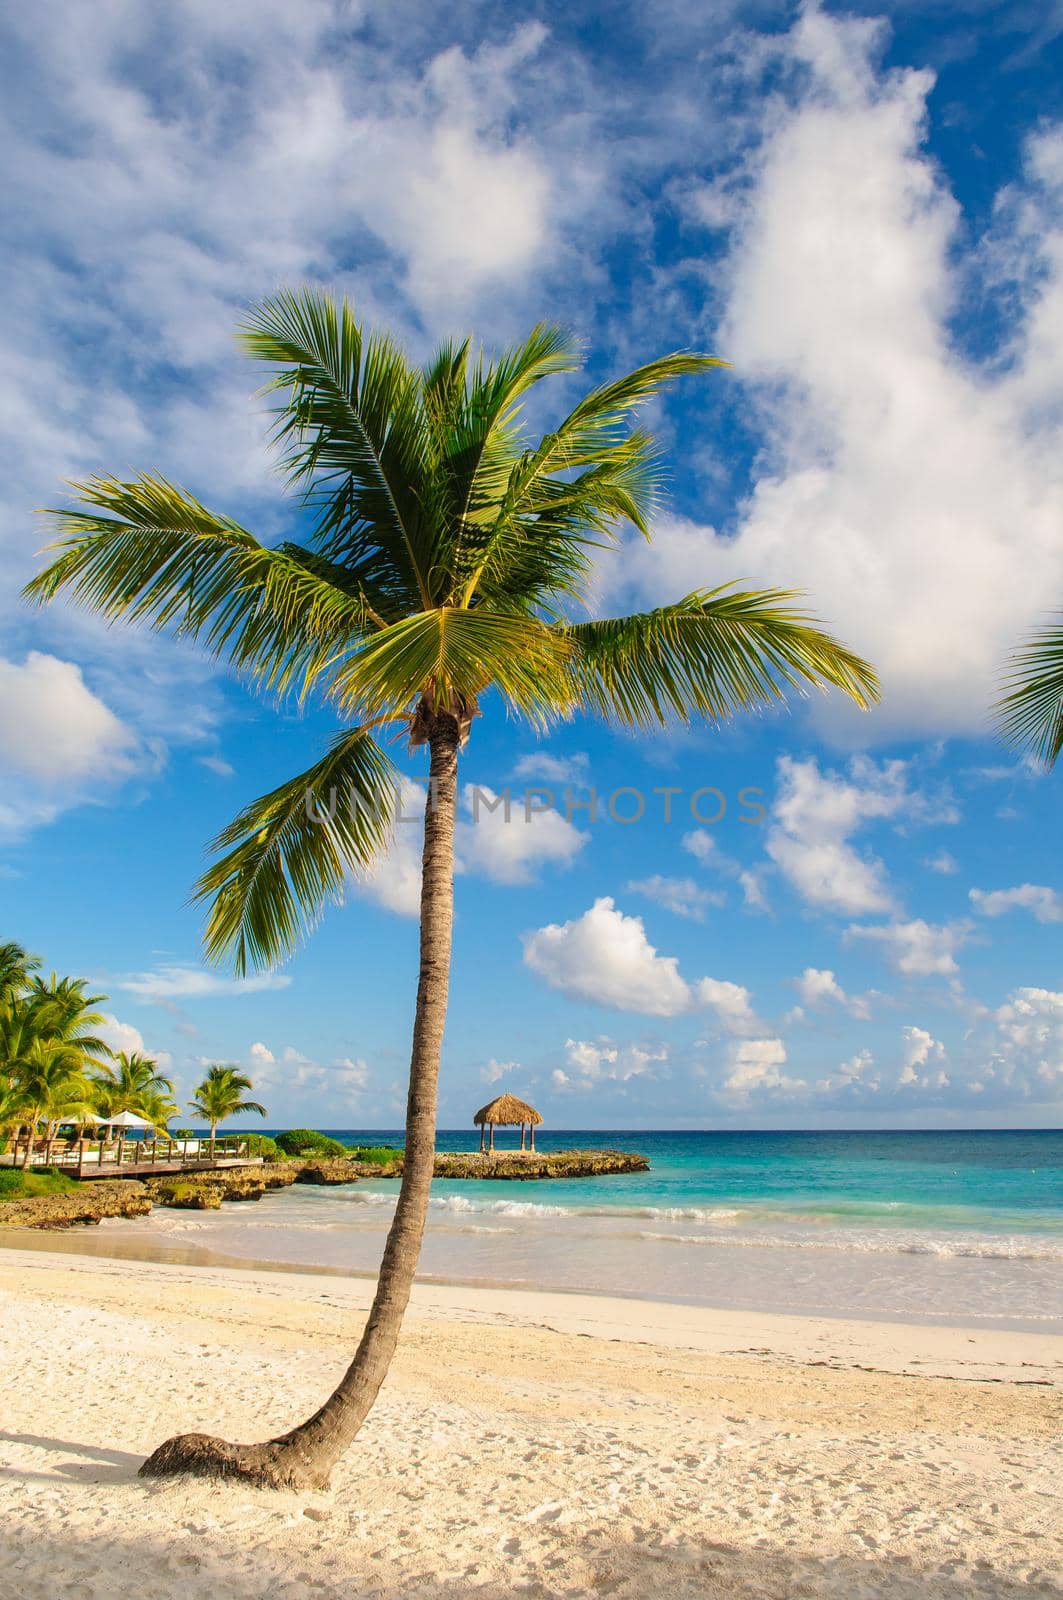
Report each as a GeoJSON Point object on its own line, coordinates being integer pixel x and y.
{"type": "Point", "coordinates": [522, 1138]}
{"type": "Point", "coordinates": [533, 1138]}
{"type": "Point", "coordinates": [492, 1138]}
{"type": "Point", "coordinates": [482, 1131]}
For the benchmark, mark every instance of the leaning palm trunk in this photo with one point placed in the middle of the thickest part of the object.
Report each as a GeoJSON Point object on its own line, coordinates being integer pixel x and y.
{"type": "Point", "coordinates": [304, 1457]}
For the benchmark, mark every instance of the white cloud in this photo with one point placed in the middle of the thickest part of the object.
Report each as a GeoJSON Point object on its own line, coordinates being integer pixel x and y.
{"type": "Point", "coordinates": [605, 956]}
{"type": "Point", "coordinates": [544, 767]}
{"type": "Point", "coordinates": [817, 986]}
{"type": "Point", "coordinates": [702, 846]}
{"type": "Point", "coordinates": [592, 1063]}
{"type": "Point", "coordinates": [681, 895]}
{"type": "Point", "coordinates": [123, 1036]}
{"type": "Point", "coordinates": [195, 983]}
{"type": "Point", "coordinates": [815, 815]}
{"type": "Point", "coordinates": [1045, 904]}
{"type": "Point", "coordinates": [731, 1002]}
{"type": "Point", "coordinates": [943, 863]}
{"type": "Point", "coordinates": [495, 1071]}
{"type": "Point", "coordinates": [393, 879]}
{"type": "Point", "coordinates": [506, 842]}
{"type": "Point", "coordinates": [509, 842]}
{"type": "Point", "coordinates": [755, 1067]}
{"type": "Point", "coordinates": [918, 948]}
{"type": "Point", "coordinates": [1024, 1053]}
{"type": "Point", "coordinates": [922, 1061]}
{"type": "Point", "coordinates": [334, 1087]}
{"type": "Point", "coordinates": [898, 468]}
{"type": "Point", "coordinates": [217, 765]}
{"type": "Point", "coordinates": [59, 743]}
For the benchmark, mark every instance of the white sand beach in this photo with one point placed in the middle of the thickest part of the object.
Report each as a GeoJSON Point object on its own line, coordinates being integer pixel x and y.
{"type": "Point", "coordinates": [544, 1445]}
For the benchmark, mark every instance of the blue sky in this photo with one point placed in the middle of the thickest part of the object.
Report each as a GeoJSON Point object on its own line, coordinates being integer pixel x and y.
{"type": "Point", "coordinates": [861, 210]}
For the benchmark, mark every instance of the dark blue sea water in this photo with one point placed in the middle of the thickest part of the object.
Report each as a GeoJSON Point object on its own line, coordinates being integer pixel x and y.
{"type": "Point", "coordinates": [965, 1228]}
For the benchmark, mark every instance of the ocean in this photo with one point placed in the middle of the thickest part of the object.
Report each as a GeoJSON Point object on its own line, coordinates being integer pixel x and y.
{"type": "Point", "coordinates": [957, 1227]}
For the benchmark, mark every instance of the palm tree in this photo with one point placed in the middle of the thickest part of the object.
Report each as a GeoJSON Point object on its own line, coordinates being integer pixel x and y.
{"type": "Point", "coordinates": [220, 1096]}
{"type": "Point", "coordinates": [16, 969]}
{"type": "Point", "coordinates": [1030, 714]}
{"type": "Point", "coordinates": [54, 1088]}
{"type": "Point", "coordinates": [48, 1044]}
{"type": "Point", "coordinates": [128, 1083]}
{"type": "Point", "coordinates": [449, 556]}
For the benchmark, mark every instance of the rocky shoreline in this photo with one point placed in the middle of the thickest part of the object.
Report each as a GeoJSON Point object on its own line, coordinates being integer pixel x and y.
{"type": "Point", "coordinates": [92, 1201]}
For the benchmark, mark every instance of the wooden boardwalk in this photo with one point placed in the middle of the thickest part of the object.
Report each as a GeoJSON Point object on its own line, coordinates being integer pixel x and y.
{"type": "Point", "coordinates": [136, 1158]}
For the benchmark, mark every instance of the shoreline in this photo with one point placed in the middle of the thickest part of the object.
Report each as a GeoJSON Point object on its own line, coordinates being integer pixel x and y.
{"type": "Point", "coordinates": [957, 1351]}
{"type": "Point", "coordinates": [555, 1445]}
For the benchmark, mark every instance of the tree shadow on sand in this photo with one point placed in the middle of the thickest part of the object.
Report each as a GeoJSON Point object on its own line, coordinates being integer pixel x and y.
{"type": "Point", "coordinates": [197, 1569]}
{"type": "Point", "coordinates": [94, 1465]}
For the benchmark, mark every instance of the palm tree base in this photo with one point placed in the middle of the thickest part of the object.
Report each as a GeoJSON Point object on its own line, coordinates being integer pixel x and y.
{"type": "Point", "coordinates": [268, 1466]}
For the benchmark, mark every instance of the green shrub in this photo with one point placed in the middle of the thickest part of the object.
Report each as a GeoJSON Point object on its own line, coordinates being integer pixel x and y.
{"type": "Point", "coordinates": [182, 1133]}
{"type": "Point", "coordinates": [16, 1184]}
{"type": "Point", "coordinates": [306, 1142]}
{"type": "Point", "coordinates": [260, 1144]}
{"type": "Point", "coordinates": [378, 1154]}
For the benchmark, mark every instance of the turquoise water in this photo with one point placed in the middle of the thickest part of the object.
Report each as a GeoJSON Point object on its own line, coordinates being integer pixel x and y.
{"type": "Point", "coordinates": [981, 1182]}
{"type": "Point", "coordinates": [963, 1228]}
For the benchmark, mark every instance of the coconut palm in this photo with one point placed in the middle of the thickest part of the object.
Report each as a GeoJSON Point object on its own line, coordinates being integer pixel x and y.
{"type": "Point", "coordinates": [447, 563]}
{"type": "Point", "coordinates": [221, 1095]}
{"type": "Point", "coordinates": [54, 1088]}
{"type": "Point", "coordinates": [1030, 713]}
{"type": "Point", "coordinates": [17, 967]}
{"type": "Point", "coordinates": [129, 1083]}
{"type": "Point", "coordinates": [48, 1044]}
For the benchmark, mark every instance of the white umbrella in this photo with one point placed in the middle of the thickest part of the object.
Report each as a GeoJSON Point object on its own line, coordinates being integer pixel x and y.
{"type": "Point", "coordinates": [125, 1119]}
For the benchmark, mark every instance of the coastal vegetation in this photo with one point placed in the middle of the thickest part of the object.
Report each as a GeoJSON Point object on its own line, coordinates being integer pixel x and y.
{"type": "Point", "coordinates": [306, 1142]}
{"type": "Point", "coordinates": [446, 573]}
{"type": "Point", "coordinates": [57, 1069]}
{"type": "Point", "coordinates": [221, 1095]}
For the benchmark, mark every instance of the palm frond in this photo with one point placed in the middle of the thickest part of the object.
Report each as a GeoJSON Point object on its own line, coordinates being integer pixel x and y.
{"type": "Point", "coordinates": [591, 474]}
{"type": "Point", "coordinates": [1030, 713]}
{"type": "Point", "coordinates": [150, 552]}
{"type": "Point", "coordinates": [454, 654]}
{"type": "Point", "coordinates": [289, 852]}
{"type": "Point", "coordinates": [352, 430]}
{"type": "Point", "coordinates": [711, 655]}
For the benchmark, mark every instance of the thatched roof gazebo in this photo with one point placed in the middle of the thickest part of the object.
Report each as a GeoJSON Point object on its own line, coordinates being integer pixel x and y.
{"type": "Point", "coordinates": [506, 1112]}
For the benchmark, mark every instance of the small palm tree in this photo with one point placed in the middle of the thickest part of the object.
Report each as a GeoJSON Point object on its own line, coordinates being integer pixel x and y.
{"type": "Point", "coordinates": [1030, 713]}
{"type": "Point", "coordinates": [129, 1083]}
{"type": "Point", "coordinates": [448, 562]}
{"type": "Point", "coordinates": [220, 1096]}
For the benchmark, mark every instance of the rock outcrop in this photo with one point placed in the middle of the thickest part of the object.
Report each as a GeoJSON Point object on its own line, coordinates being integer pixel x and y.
{"type": "Point", "coordinates": [514, 1164]}
{"type": "Point", "coordinates": [86, 1205]}
{"type": "Point", "coordinates": [185, 1194]}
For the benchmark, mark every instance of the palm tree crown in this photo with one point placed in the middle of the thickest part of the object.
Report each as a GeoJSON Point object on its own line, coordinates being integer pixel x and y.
{"type": "Point", "coordinates": [133, 1082]}
{"type": "Point", "coordinates": [449, 556]}
{"type": "Point", "coordinates": [221, 1095]}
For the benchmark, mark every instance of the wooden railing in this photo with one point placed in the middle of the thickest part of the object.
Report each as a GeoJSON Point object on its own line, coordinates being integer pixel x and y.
{"type": "Point", "coordinates": [86, 1156]}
